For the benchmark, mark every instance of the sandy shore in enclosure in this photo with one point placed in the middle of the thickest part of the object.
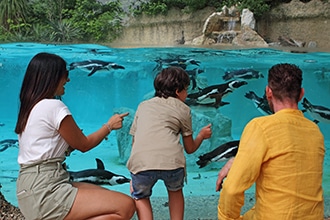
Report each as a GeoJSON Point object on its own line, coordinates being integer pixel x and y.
{"type": "Point", "coordinates": [197, 208]}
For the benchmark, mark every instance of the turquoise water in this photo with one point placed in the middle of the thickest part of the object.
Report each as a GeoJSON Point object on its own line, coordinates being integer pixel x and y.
{"type": "Point", "coordinates": [92, 99]}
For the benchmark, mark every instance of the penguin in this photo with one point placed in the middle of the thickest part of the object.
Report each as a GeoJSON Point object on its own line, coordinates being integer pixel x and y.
{"type": "Point", "coordinates": [193, 76]}
{"type": "Point", "coordinates": [95, 65]}
{"type": "Point", "coordinates": [183, 63]}
{"type": "Point", "coordinates": [193, 102]}
{"type": "Point", "coordinates": [4, 144]}
{"type": "Point", "coordinates": [260, 103]}
{"type": "Point", "coordinates": [182, 40]}
{"type": "Point", "coordinates": [212, 95]}
{"type": "Point", "coordinates": [222, 153]}
{"type": "Point", "coordinates": [318, 113]}
{"type": "Point", "coordinates": [98, 176]}
{"type": "Point", "coordinates": [246, 74]}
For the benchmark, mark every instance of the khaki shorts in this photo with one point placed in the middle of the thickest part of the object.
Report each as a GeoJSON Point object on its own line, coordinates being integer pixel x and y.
{"type": "Point", "coordinates": [44, 190]}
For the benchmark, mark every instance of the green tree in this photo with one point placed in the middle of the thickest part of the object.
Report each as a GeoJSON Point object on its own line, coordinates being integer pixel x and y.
{"type": "Point", "coordinates": [154, 7]}
{"type": "Point", "coordinates": [258, 7]}
{"type": "Point", "coordinates": [96, 21]}
{"type": "Point", "coordinates": [50, 10]}
{"type": "Point", "coordinates": [50, 22]}
{"type": "Point", "coordinates": [14, 11]}
{"type": "Point", "coordinates": [63, 31]}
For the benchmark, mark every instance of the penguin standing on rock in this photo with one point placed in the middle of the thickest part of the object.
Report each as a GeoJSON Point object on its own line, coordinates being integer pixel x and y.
{"type": "Point", "coordinates": [182, 40]}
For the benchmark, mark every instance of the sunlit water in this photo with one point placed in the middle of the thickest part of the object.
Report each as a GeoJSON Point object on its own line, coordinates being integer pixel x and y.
{"type": "Point", "coordinates": [92, 99]}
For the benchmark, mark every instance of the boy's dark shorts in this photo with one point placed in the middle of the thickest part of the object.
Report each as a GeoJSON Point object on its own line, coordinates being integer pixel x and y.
{"type": "Point", "coordinates": [143, 182]}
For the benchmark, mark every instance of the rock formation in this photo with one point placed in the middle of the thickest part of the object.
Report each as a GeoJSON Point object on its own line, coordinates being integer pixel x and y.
{"type": "Point", "coordinates": [301, 21]}
{"type": "Point", "coordinates": [230, 27]}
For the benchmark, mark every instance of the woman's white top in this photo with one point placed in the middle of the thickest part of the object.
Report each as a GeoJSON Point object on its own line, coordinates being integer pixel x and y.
{"type": "Point", "coordinates": [41, 139]}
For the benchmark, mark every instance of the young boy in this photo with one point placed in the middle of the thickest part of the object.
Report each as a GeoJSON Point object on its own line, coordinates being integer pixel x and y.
{"type": "Point", "coordinates": [156, 151]}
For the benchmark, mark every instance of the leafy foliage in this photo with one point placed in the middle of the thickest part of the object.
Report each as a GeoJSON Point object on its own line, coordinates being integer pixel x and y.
{"type": "Point", "coordinates": [13, 12]}
{"type": "Point", "coordinates": [96, 21]}
{"type": "Point", "coordinates": [63, 31]}
{"type": "Point", "coordinates": [154, 7]}
{"type": "Point", "coordinates": [60, 20]}
{"type": "Point", "coordinates": [194, 5]}
{"type": "Point", "coordinates": [258, 7]}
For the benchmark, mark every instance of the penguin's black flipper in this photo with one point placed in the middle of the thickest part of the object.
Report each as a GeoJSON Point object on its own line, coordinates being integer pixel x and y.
{"type": "Point", "coordinates": [202, 162]}
{"type": "Point", "coordinates": [93, 71]}
{"type": "Point", "coordinates": [99, 164]}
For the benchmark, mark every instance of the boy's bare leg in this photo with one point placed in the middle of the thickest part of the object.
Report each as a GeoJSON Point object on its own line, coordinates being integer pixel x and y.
{"type": "Point", "coordinates": [144, 209]}
{"type": "Point", "coordinates": [176, 204]}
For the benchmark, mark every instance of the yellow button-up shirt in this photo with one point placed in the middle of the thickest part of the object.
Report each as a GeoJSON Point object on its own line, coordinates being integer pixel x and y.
{"type": "Point", "coordinates": [283, 154]}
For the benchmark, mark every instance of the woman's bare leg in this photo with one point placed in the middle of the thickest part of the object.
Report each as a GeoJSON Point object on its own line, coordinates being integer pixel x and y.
{"type": "Point", "coordinates": [144, 209]}
{"type": "Point", "coordinates": [95, 202]}
{"type": "Point", "coordinates": [176, 204]}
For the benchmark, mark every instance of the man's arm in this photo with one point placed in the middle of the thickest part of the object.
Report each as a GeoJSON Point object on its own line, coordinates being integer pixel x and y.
{"type": "Point", "coordinates": [223, 174]}
{"type": "Point", "coordinates": [244, 171]}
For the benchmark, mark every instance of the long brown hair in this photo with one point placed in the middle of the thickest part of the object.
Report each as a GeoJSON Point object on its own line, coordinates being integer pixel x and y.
{"type": "Point", "coordinates": [41, 80]}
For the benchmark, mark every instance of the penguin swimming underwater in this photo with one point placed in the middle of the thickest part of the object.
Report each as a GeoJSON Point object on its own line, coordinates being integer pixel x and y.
{"type": "Point", "coordinates": [180, 62]}
{"type": "Point", "coordinates": [6, 143]}
{"type": "Point", "coordinates": [246, 74]}
{"type": "Point", "coordinates": [260, 103]}
{"type": "Point", "coordinates": [98, 176]}
{"type": "Point", "coordinates": [177, 62]}
{"type": "Point", "coordinates": [95, 65]}
{"type": "Point", "coordinates": [194, 102]}
{"type": "Point", "coordinates": [221, 153]}
{"type": "Point", "coordinates": [318, 113]}
{"type": "Point", "coordinates": [212, 95]}
{"type": "Point", "coordinates": [193, 76]}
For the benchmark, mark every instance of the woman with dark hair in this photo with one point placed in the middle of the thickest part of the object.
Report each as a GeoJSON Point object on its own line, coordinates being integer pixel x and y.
{"type": "Point", "coordinates": [157, 153]}
{"type": "Point", "coordinates": [46, 131]}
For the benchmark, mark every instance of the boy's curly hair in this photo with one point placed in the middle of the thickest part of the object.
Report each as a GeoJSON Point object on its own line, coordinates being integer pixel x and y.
{"type": "Point", "coordinates": [170, 80]}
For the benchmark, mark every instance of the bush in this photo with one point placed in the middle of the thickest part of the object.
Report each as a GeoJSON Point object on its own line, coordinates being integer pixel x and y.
{"type": "Point", "coordinates": [155, 7]}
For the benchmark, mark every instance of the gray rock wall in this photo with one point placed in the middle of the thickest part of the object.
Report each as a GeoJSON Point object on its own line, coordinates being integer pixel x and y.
{"type": "Point", "coordinates": [163, 30]}
{"type": "Point", "coordinates": [301, 21]}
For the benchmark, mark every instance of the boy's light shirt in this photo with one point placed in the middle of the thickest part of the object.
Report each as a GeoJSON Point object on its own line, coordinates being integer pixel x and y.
{"type": "Point", "coordinates": [157, 128]}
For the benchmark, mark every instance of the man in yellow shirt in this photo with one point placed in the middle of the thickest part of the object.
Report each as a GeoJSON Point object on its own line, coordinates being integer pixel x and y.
{"type": "Point", "coordinates": [282, 153]}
